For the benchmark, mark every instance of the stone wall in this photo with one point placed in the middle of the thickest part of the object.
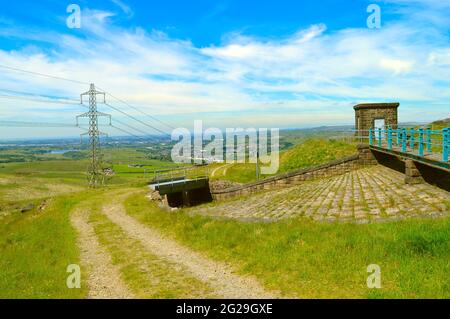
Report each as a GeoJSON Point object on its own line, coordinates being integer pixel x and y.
{"type": "Point", "coordinates": [366, 114]}
{"type": "Point", "coordinates": [362, 158]}
{"type": "Point", "coordinates": [412, 174]}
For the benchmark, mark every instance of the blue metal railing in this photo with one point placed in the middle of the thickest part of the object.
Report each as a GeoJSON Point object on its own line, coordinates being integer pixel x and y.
{"type": "Point", "coordinates": [421, 142]}
{"type": "Point", "coordinates": [412, 139]}
{"type": "Point", "coordinates": [446, 143]}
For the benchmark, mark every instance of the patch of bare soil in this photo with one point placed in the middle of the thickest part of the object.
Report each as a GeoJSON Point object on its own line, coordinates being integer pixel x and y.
{"type": "Point", "coordinates": [104, 280]}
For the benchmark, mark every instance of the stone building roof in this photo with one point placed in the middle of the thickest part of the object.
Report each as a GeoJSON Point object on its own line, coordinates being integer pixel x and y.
{"type": "Point", "coordinates": [376, 106]}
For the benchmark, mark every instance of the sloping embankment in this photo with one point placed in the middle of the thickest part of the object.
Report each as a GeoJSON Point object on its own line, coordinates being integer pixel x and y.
{"type": "Point", "coordinates": [338, 167]}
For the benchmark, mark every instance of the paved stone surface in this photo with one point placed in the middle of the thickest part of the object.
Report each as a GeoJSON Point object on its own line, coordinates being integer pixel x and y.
{"type": "Point", "coordinates": [366, 195]}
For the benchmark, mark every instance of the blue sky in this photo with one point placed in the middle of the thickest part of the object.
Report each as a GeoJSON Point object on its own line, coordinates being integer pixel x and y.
{"type": "Point", "coordinates": [229, 63]}
{"type": "Point", "coordinates": [204, 22]}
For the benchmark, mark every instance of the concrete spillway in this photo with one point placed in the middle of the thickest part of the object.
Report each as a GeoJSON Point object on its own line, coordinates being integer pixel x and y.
{"type": "Point", "coordinates": [183, 191]}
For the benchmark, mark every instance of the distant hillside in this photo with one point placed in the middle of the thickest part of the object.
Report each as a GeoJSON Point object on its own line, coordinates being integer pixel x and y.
{"type": "Point", "coordinates": [290, 138]}
{"type": "Point", "coordinates": [441, 123]}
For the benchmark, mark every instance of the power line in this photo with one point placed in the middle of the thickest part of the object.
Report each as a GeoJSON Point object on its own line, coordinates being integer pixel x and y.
{"type": "Point", "coordinates": [84, 83]}
{"type": "Point", "coordinates": [125, 124]}
{"type": "Point", "coordinates": [25, 124]}
{"type": "Point", "coordinates": [131, 127]}
{"type": "Point", "coordinates": [15, 97]}
{"type": "Point", "coordinates": [26, 96]}
{"type": "Point", "coordinates": [29, 94]}
{"type": "Point", "coordinates": [42, 74]}
{"type": "Point", "coordinates": [35, 124]}
{"type": "Point", "coordinates": [136, 119]}
{"type": "Point", "coordinates": [67, 125]}
{"type": "Point", "coordinates": [139, 110]}
{"type": "Point", "coordinates": [53, 125]}
{"type": "Point", "coordinates": [126, 132]}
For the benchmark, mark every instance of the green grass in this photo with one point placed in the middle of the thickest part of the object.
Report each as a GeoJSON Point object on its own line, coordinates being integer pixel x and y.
{"type": "Point", "coordinates": [314, 152]}
{"type": "Point", "coordinates": [311, 152]}
{"type": "Point", "coordinates": [72, 172]}
{"type": "Point", "coordinates": [436, 138]}
{"type": "Point", "coordinates": [439, 125]}
{"type": "Point", "coordinates": [297, 257]}
{"type": "Point", "coordinates": [147, 275]}
{"type": "Point", "coordinates": [239, 173]}
{"type": "Point", "coordinates": [319, 260]}
{"type": "Point", "coordinates": [36, 248]}
{"type": "Point", "coordinates": [129, 155]}
{"type": "Point", "coordinates": [18, 188]}
{"type": "Point", "coordinates": [148, 168]}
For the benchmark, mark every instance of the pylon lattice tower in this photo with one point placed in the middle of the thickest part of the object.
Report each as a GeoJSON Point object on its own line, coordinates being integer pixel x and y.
{"type": "Point", "coordinates": [95, 174]}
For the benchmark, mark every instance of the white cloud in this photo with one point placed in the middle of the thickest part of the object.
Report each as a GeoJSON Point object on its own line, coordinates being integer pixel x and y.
{"type": "Point", "coordinates": [101, 16]}
{"type": "Point", "coordinates": [124, 7]}
{"type": "Point", "coordinates": [397, 66]}
{"type": "Point", "coordinates": [439, 57]}
{"type": "Point", "coordinates": [310, 70]}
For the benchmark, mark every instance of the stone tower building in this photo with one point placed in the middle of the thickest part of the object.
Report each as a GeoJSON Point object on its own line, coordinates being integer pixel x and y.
{"type": "Point", "coordinates": [375, 115]}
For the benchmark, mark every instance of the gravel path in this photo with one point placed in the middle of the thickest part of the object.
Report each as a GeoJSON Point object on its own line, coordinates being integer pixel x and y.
{"type": "Point", "coordinates": [104, 280]}
{"type": "Point", "coordinates": [218, 276]}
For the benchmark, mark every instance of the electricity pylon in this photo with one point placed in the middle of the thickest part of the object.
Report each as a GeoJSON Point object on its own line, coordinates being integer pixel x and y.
{"type": "Point", "coordinates": [95, 174]}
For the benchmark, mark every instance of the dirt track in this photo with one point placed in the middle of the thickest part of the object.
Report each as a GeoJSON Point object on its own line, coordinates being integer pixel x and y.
{"type": "Point", "coordinates": [104, 280]}
{"type": "Point", "coordinates": [218, 276]}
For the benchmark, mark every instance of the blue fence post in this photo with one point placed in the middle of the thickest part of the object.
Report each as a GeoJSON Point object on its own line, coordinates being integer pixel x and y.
{"type": "Point", "coordinates": [390, 138]}
{"type": "Point", "coordinates": [428, 140]}
{"type": "Point", "coordinates": [404, 140]}
{"type": "Point", "coordinates": [447, 143]}
{"type": "Point", "coordinates": [420, 141]}
{"type": "Point", "coordinates": [412, 142]}
{"type": "Point", "coordinates": [445, 146]}
{"type": "Point", "coordinates": [379, 137]}
{"type": "Point", "coordinates": [370, 136]}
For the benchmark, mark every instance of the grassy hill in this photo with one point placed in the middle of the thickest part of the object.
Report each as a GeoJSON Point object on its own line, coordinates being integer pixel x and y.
{"type": "Point", "coordinates": [314, 152]}
{"type": "Point", "coordinates": [438, 125]}
{"type": "Point", "coordinates": [436, 136]}
{"type": "Point", "coordinates": [310, 152]}
{"type": "Point", "coordinates": [298, 257]}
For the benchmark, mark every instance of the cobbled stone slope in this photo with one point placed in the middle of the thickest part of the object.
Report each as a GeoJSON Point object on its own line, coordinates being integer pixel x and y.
{"type": "Point", "coordinates": [365, 195]}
